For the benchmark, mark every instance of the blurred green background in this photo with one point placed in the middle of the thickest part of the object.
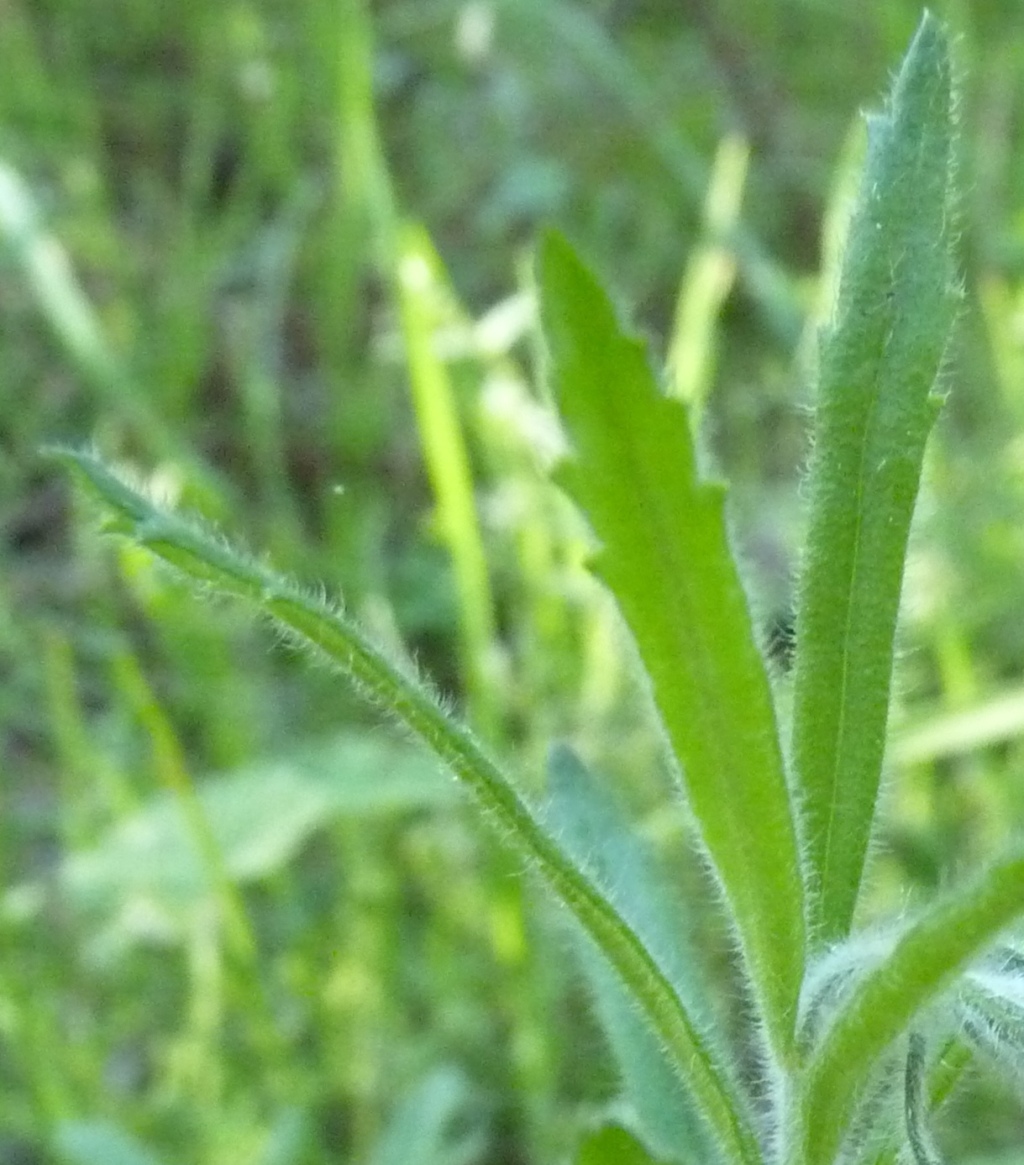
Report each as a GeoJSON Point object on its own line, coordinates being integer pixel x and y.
{"type": "Point", "coordinates": [274, 258]}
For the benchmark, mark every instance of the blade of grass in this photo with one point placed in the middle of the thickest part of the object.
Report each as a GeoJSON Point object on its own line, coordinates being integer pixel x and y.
{"type": "Point", "coordinates": [421, 300]}
{"type": "Point", "coordinates": [665, 556]}
{"type": "Point", "coordinates": [172, 772]}
{"type": "Point", "coordinates": [707, 281]}
{"type": "Point", "coordinates": [879, 361]}
{"type": "Point", "coordinates": [944, 734]}
{"type": "Point", "coordinates": [46, 268]}
{"type": "Point", "coordinates": [885, 1002]}
{"type": "Point", "coordinates": [313, 623]}
{"type": "Point", "coordinates": [240, 938]}
{"type": "Point", "coordinates": [598, 55]}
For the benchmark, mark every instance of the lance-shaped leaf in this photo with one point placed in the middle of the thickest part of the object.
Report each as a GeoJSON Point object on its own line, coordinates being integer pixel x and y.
{"type": "Point", "coordinates": [879, 361]}
{"type": "Point", "coordinates": [312, 622]}
{"type": "Point", "coordinates": [665, 556]}
{"type": "Point", "coordinates": [596, 833]}
{"type": "Point", "coordinates": [883, 1005]}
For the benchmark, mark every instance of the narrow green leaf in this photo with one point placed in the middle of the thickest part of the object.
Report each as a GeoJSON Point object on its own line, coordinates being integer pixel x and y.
{"type": "Point", "coordinates": [596, 833]}
{"type": "Point", "coordinates": [665, 556]}
{"type": "Point", "coordinates": [884, 1003]}
{"type": "Point", "coordinates": [312, 622]}
{"type": "Point", "coordinates": [706, 283]}
{"type": "Point", "coordinates": [879, 362]}
{"type": "Point", "coordinates": [923, 1150]}
{"type": "Point", "coordinates": [48, 276]}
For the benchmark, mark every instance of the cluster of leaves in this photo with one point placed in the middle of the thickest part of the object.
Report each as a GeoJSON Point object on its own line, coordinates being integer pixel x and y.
{"type": "Point", "coordinates": [835, 1016]}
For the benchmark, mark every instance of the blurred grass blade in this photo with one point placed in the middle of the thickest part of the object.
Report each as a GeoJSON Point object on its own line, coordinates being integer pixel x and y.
{"type": "Point", "coordinates": [48, 273]}
{"type": "Point", "coordinates": [312, 622]}
{"type": "Point", "coordinates": [173, 774]}
{"type": "Point", "coordinates": [63, 304]}
{"type": "Point", "coordinates": [587, 42]}
{"type": "Point", "coordinates": [665, 556]}
{"type": "Point", "coordinates": [422, 295]}
{"type": "Point", "coordinates": [883, 1005]}
{"type": "Point", "coordinates": [595, 832]}
{"type": "Point", "coordinates": [420, 1128]}
{"type": "Point", "coordinates": [997, 719]}
{"type": "Point", "coordinates": [879, 362]}
{"type": "Point", "coordinates": [707, 281]}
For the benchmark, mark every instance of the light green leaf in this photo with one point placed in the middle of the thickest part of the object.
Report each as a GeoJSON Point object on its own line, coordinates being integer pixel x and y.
{"type": "Point", "coordinates": [310, 621]}
{"type": "Point", "coordinates": [426, 305]}
{"type": "Point", "coordinates": [99, 1143]}
{"type": "Point", "coordinates": [595, 832]}
{"type": "Point", "coordinates": [665, 556]}
{"type": "Point", "coordinates": [879, 362]}
{"type": "Point", "coordinates": [259, 818]}
{"type": "Point", "coordinates": [885, 1001]}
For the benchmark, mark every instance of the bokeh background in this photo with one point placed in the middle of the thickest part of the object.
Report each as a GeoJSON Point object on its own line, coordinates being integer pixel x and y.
{"type": "Point", "coordinates": [275, 258]}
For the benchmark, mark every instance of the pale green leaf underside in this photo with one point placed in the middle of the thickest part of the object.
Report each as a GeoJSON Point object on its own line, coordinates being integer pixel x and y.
{"type": "Point", "coordinates": [313, 623]}
{"type": "Point", "coordinates": [883, 1005]}
{"type": "Point", "coordinates": [594, 830]}
{"type": "Point", "coordinates": [879, 362]}
{"type": "Point", "coordinates": [665, 556]}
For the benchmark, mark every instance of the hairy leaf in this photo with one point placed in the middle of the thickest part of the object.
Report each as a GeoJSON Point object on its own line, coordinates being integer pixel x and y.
{"type": "Point", "coordinates": [593, 829]}
{"type": "Point", "coordinates": [665, 556]}
{"type": "Point", "coordinates": [313, 623]}
{"type": "Point", "coordinates": [879, 362]}
{"type": "Point", "coordinates": [884, 1003]}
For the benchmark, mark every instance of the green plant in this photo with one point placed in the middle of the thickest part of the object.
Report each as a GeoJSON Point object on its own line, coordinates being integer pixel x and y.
{"type": "Point", "coordinates": [835, 1016]}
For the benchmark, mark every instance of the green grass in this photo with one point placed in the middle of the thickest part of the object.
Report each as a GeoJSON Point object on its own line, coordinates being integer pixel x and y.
{"type": "Point", "coordinates": [269, 269]}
